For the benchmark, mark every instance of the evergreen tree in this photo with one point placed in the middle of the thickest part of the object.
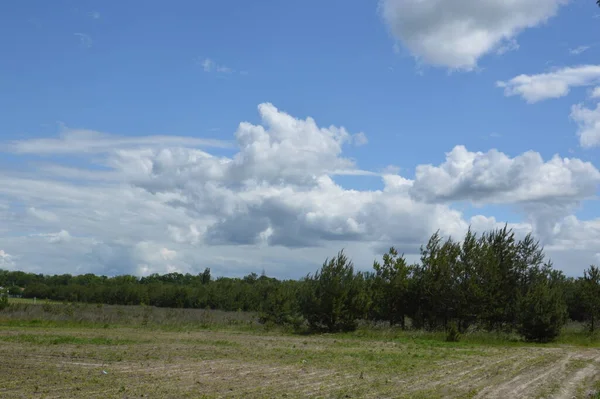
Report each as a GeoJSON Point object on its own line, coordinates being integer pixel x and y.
{"type": "Point", "coordinates": [542, 310]}
{"type": "Point", "coordinates": [590, 294]}
{"type": "Point", "coordinates": [390, 288]}
{"type": "Point", "coordinates": [334, 298]}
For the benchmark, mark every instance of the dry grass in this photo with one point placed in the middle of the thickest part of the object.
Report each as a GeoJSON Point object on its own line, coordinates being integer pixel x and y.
{"type": "Point", "coordinates": [233, 358]}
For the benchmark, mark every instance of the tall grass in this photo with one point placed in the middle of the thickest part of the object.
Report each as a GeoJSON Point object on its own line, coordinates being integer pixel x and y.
{"type": "Point", "coordinates": [47, 314]}
{"type": "Point", "coordinates": [107, 316]}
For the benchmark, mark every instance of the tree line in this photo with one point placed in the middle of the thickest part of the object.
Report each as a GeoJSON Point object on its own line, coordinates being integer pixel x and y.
{"type": "Point", "coordinates": [491, 281]}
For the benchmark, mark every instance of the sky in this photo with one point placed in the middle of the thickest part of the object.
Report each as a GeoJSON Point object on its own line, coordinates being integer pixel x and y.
{"type": "Point", "coordinates": [148, 137]}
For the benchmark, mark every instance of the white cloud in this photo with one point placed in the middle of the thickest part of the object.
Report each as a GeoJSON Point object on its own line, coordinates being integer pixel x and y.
{"type": "Point", "coordinates": [545, 191]}
{"type": "Point", "coordinates": [510, 45]}
{"type": "Point", "coordinates": [555, 84]}
{"type": "Point", "coordinates": [211, 66]}
{"type": "Point", "coordinates": [94, 14]}
{"type": "Point", "coordinates": [578, 50]}
{"type": "Point", "coordinates": [360, 139]}
{"type": "Point", "coordinates": [60, 237]}
{"type": "Point", "coordinates": [588, 121]}
{"type": "Point", "coordinates": [73, 141]}
{"type": "Point", "coordinates": [85, 40]}
{"type": "Point", "coordinates": [42, 215]}
{"type": "Point", "coordinates": [595, 92]}
{"type": "Point", "coordinates": [494, 177]}
{"type": "Point", "coordinates": [168, 207]}
{"type": "Point", "coordinates": [456, 33]}
{"type": "Point", "coordinates": [6, 260]}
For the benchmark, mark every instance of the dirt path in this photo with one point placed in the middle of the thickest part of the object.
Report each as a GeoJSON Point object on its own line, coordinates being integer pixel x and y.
{"type": "Point", "coordinates": [564, 378]}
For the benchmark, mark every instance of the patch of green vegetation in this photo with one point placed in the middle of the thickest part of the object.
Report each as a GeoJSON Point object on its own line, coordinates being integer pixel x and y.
{"type": "Point", "coordinates": [549, 391]}
{"type": "Point", "coordinates": [32, 301]}
{"type": "Point", "coordinates": [43, 339]}
{"type": "Point", "coordinates": [580, 336]}
{"type": "Point", "coordinates": [576, 364]}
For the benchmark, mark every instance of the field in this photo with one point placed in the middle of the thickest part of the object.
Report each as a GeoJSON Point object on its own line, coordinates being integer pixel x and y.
{"type": "Point", "coordinates": [73, 351]}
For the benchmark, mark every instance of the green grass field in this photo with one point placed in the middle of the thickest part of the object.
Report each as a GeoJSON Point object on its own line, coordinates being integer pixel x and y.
{"type": "Point", "coordinates": [89, 351]}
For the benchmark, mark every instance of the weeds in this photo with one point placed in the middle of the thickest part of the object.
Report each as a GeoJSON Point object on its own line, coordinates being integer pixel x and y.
{"type": "Point", "coordinates": [452, 334]}
{"type": "Point", "coordinates": [3, 300]}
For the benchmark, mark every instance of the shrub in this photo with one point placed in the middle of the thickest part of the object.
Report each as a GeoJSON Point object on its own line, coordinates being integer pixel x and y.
{"type": "Point", "coordinates": [452, 333]}
{"type": "Point", "coordinates": [3, 300]}
{"type": "Point", "coordinates": [543, 309]}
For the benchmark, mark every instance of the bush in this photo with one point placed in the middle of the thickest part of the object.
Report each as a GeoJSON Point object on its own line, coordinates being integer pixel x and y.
{"type": "Point", "coordinates": [277, 309]}
{"type": "Point", "coordinates": [3, 300]}
{"type": "Point", "coordinates": [543, 309]}
{"type": "Point", "coordinates": [452, 333]}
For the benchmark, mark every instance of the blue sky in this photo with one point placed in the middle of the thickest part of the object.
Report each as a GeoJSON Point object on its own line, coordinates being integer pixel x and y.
{"type": "Point", "coordinates": [416, 83]}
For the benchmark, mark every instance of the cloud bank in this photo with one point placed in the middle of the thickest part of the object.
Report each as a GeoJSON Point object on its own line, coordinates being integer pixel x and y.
{"type": "Point", "coordinates": [164, 203]}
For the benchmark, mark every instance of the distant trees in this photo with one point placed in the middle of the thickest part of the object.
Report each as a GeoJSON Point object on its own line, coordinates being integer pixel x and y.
{"type": "Point", "coordinates": [491, 281]}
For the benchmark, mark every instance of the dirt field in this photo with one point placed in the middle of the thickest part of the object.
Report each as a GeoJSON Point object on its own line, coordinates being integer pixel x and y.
{"type": "Point", "coordinates": [62, 362]}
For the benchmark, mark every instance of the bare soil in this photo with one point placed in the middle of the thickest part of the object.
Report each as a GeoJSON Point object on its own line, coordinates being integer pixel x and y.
{"type": "Point", "coordinates": [137, 362]}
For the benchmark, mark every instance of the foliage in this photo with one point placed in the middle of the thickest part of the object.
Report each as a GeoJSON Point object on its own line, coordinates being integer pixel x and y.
{"type": "Point", "coordinates": [390, 289]}
{"type": "Point", "coordinates": [492, 281]}
{"type": "Point", "coordinates": [3, 300]}
{"type": "Point", "coordinates": [542, 310]}
{"type": "Point", "coordinates": [452, 334]}
{"type": "Point", "coordinates": [590, 296]}
{"type": "Point", "coordinates": [278, 307]}
{"type": "Point", "coordinates": [333, 299]}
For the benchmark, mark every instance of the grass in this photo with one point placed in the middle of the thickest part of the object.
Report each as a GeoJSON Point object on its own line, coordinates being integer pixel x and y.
{"type": "Point", "coordinates": [75, 350]}
{"type": "Point", "coordinates": [48, 339]}
{"type": "Point", "coordinates": [32, 301]}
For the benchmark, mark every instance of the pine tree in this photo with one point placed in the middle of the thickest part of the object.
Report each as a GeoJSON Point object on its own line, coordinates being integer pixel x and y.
{"type": "Point", "coordinates": [334, 298]}
{"type": "Point", "coordinates": [390, 288]}
{"type": "Point", "coordinates": [542, 310]}
{"type": "Point", "coordinates": [591, 296]}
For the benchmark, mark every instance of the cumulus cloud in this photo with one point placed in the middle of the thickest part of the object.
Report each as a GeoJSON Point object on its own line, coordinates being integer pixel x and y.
{"type": "Point", "coordinates": [170, 206]}
{"type": "Point", "coordinates": [574, 234]}
{"type": "Point", "coordinates": [555, 84]}
{"type": "Point", "coordinates": [494, 177]}
{"type": "Point", "coordinates": [595, 93]}
{"type": "Point", "coordinates": [588, 121]}
{"type": "Point", "coordinates": [546, 191]}
{"type": "Point", "coordinates": [456, 33]}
